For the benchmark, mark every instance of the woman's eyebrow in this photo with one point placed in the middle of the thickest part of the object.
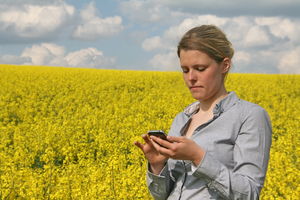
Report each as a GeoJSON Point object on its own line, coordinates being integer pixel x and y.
{"type": "Point", "coordinates": [200, 65]}
{"type": "Point", "coordinates": [196, 65]}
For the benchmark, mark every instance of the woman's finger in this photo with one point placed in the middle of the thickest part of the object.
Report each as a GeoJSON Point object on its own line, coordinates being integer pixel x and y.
{"type": "Point", "coordinates": [175, 139]}
{"type": "Point", "coordinates": [161, 142]}
{"type": "Point", "coordinates": [162, 149]}
{"type": "Point", "coordinates": [139, 145]}
{"type": "Point", "coordinates": [154, 143]}
{"type": "Point", "coordinates": [146, 138]}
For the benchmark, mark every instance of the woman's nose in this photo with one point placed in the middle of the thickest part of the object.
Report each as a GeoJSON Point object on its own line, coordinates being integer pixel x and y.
{"type": "Point", "coordinates": [192, 75]}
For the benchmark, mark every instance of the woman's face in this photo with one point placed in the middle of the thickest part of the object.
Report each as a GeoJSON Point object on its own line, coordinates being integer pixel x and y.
{"type": "Point", "coordinates": [202, 74]}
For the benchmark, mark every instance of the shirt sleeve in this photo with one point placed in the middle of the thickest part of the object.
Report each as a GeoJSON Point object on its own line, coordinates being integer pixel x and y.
{"type": "Point", "coordinates": [251, 156]}
{"type": "Point", "coordinates": [160, 186]}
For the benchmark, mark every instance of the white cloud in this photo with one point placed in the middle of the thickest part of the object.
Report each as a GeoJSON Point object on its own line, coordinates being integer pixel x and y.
{"type": "Point", "coordinates": [165, 61]}
{"type": "Point", "coordinates": [29, 21]}
{"type": "Point", "coordinates": [90, 58]}
{"type": "Point", "coordinates": [237, 28]}
{"type": "Point", "coordinates": [45, 54]}
{"type": "Point", "coordinates": [93, 27]}
{"type": "Point", "coordinates": [152, 43]}
{"type": "Point", "coordinates": [282, 28]}
{"type": "Point", "coordinates": [89, 13]}
{"type": "Point", "coordinates": [241, 58]}
{"type": "Point", "coordinates": [50, 54]}
{"type": "Point", "coordinates": [273, 60]}
{"type": "Point", "coordinates": [290, 61]}
{"type": "Point", "coordinates": [256, 36]}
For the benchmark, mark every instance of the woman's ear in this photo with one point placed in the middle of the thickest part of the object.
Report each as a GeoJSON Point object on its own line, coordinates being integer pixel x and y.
{"type": "Point", "coordinates": [226, 65]}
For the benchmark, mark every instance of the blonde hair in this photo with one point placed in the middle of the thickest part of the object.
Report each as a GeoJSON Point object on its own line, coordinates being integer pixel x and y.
{"type": "Point", "coordinates": [208, 39]}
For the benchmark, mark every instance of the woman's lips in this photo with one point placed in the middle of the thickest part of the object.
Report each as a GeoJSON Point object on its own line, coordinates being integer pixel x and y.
{"type": "Point", "coordinates": [195, 87]}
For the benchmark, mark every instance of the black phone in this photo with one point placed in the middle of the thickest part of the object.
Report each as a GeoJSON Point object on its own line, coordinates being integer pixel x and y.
{"type": "Point", "coordinates": [158, 133]}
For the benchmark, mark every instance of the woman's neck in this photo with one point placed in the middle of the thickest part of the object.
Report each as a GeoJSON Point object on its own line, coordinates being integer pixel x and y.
{"type": "Point", "coordinates": [209, 104]}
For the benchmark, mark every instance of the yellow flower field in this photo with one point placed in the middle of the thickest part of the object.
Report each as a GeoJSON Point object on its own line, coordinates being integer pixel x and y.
{"type": "Point", "coordinates": [68, 133]}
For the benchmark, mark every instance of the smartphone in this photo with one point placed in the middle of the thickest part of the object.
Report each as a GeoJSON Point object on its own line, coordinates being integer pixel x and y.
{"type": "Point", "coordinates": [158, 133]}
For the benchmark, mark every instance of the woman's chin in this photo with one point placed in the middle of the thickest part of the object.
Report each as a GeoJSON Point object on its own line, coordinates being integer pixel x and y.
{"type": "Point", "coordinates": [198, 97]}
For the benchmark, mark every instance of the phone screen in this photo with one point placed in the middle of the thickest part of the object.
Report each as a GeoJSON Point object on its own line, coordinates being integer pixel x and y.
{"type": "Point", "coordinates": [158, 133]}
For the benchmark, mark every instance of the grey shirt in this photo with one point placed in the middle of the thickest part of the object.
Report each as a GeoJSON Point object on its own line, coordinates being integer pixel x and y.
{"type": "Point", "coordinates": [237, 144]}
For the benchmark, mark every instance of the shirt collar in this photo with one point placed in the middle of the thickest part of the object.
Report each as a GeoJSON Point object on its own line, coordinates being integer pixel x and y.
{"type": "Point", "coordinates": [219, 108]}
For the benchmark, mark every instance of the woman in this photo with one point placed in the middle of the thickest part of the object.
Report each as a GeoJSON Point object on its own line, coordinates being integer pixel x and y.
{"type": "Point", "coordinates": [218, 147]}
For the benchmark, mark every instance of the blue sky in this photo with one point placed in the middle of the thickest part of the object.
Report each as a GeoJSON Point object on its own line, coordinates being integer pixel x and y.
{"type": "Point", "coordinates": [143, 34]}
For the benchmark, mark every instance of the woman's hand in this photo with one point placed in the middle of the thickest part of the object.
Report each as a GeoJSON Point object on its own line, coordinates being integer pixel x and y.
{"type": "Point", "coordinates": [156, 160]}
{"type": "Point", "coordinates": [180, 148]}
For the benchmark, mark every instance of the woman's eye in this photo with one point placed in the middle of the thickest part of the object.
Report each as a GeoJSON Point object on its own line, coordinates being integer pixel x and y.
{"type": "Point", "coordinates": [200, 69]}
{"type": "Point", "coordinates": [185, 70]}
